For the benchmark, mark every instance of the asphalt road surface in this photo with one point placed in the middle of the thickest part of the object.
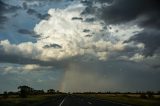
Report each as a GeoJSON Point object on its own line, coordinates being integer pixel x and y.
{"type": "Point", "coordinates": [81, 101]}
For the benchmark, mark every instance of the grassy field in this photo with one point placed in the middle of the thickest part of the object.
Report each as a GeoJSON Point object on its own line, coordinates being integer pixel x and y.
{"type": "Point", "coordinates": [29, 101]}
{"type": "Point", "coordinates": [134, 99]}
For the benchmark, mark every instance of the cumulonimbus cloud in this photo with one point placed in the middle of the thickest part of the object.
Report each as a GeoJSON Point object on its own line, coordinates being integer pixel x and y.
{"type": "Point", "coordinates": [68, 35]}
{"type": "Point", "coordinates": [60, 29]}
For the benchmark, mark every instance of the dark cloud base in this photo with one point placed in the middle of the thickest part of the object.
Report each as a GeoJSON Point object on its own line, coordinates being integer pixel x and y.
{"type": "Point", "coordinates": [151, 39]}
{"type": "Point", "coordinates": [6, 8]}
{"type": "Point", "coordinates": [146, 12]}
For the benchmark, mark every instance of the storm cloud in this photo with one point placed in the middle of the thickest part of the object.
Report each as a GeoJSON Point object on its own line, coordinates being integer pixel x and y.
{"type": "Point", "coordinates": [144, 13]}
{"type": "Point", "coordinates": [4, 9]}
{"type": "Point", "coordinates": [121, 11]}
{"type": "Point", "coordinates": [102, 40]}
{"type": "Point", "coordinates": [151, 40]}
{"type": "Point", "coordinates": [38, 15]}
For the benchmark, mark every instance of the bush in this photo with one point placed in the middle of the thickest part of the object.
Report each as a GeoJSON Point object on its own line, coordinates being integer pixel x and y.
{"type": "Point", "coordinates": [143, 95]}
{"type": "Point", "coordinates": [5, 95]}
{"type": "Point", "coordinates": [23, 94]}
{"type": "Point", "coordinates": [150, 94]}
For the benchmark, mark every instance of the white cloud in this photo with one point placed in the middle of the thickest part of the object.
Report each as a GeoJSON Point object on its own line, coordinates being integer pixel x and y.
{"type": "Point", "coordinates": [68, 33]}
{"type": "Point", "coordinates": [31, 67]}
{"type": "Point", "coordinates": [62, 30]}
{"type": "Point", "coordinates": [141, 45]}
{"type": "Point", "coordinates": [137, 57]}
{"type": "Point", "coordinates": [21, 69]}
{"type": "Point", "coordinates": [26, 49]}
{"type": "Point", "coordinates": [123, 32]}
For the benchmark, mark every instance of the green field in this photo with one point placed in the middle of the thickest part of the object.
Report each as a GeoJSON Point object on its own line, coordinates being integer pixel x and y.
{"type": "Point", "coordinates": [134, 99]}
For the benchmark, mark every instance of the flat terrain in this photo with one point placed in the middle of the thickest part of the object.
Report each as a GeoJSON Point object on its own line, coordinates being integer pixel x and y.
{"type": "Point", "coordinates": [134, 99]}
{"type": "Point", "coordinates": [36, 100]}
{"type": "Point", "coordinates": [83, 101]}
{"type": "Point", "coordinates": [79, 100]}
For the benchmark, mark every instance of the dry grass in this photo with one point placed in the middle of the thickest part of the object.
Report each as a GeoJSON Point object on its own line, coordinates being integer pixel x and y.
{"type": "Point", "coordinates": [34, 100]}
{"type": "Point", "coordinates": [134, 99]}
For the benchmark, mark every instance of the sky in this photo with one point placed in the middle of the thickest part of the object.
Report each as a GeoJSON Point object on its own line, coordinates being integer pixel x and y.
{"type": "Point", "coordinates": [80, 45]}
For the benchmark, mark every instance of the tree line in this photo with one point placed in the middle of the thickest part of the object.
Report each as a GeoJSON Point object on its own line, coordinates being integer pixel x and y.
{"type": "Point", "coordinates": [24, 91]}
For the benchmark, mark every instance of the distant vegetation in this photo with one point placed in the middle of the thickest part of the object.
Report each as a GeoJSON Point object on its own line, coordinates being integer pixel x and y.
{"type": "Point", "coordinates": [25, 91]}
{"type": "Point", "coordinates": [28, 96]}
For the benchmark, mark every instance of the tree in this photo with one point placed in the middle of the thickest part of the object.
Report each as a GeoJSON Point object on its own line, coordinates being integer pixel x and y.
{"type": "Point", "coordinates": [150, 94]}
{"type": "Point", "coordinates": [5, 95]}
{"type": "Point", "coordinates": [143, 95]}
{"type": "Point", "coordinates": [51, 91]}
{"type": "Point", "coordinates": [25, 90]}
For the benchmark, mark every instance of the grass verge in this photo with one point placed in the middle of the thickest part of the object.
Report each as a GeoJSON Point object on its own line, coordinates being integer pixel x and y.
{"type": "Point", "coordinates": [133, 99]}
{"type": "Point", "coordinates": [33, 100]}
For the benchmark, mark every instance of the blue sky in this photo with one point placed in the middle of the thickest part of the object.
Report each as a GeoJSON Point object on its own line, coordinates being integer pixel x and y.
{"type": "Point", "coordinates": [80, 45]}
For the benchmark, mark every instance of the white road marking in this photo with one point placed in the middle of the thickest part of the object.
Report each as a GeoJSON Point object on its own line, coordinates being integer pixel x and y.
{"type": "Point", "coordinates": [89, 103]}
{"type": "Point", "coordinates": [62, 102]}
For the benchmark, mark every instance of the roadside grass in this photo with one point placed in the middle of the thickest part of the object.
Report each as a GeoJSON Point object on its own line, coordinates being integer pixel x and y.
{"type": "Point", "coordinates": [133, 99]}
{"type": "Point", "coordinates": [32, 100]}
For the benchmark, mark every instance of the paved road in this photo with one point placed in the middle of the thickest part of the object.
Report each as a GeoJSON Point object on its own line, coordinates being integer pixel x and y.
{"type": "Point", "coordinates": [81, 101]}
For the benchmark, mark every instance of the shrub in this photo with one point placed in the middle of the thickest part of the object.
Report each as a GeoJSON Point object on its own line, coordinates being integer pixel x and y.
{"type": "Point", "coordinates": [150, 94]}
{"type": "Point", "coordinates": [5, 95]}
{"type": "Point", "coordinates": [143, 95]}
